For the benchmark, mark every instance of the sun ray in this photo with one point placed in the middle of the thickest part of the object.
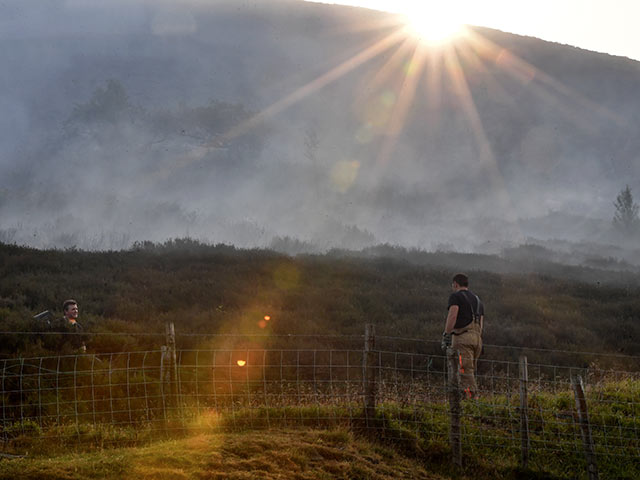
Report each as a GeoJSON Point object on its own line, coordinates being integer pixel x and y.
{"type": "Point", "coordinates": [464, 96]}
{"type": "Point", "coordinates": [378, 22]}
{"type": "Point", "coordinates": [536, 79]}
{"type": "Point", "coordinates": [487, 158]}
{"type": "Point", "coordinates": [494, 86]}
{"type": "Point", "coordinates": [391, 67]}
{"type": "Point", "coordinates": [433, 84]}
{"type": "Point", "coordinates": [318, 83]}
{"type": "Point", "coordinates": [406, 95]}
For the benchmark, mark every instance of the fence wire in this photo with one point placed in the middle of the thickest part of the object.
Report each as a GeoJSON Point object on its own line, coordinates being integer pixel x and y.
{"type": "Point", "coordinates": [317, 387]}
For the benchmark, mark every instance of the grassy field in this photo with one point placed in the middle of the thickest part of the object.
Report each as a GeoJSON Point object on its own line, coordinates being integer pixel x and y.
{"type": "Point", "coordinates": [278, 454]}
{"type": "Point", "coordinates": [409, 442]}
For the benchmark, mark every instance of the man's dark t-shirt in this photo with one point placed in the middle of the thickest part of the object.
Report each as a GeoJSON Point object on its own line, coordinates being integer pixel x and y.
{"type": "Point", "coordinates": [64, 326]}
{"type": "Point", "coordinates": [465, 300]}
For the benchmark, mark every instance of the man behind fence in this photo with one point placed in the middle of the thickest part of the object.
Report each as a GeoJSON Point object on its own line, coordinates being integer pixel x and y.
{"type": "Point", "coordinates": [464, 326]}
{"type": "Point", "coordinates": [69, 324]}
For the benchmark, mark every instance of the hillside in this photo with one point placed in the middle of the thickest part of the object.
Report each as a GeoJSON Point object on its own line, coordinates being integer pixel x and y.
{"type": "Point", "coordinates": [530, 303]}
{"type": "Point", "coordinates": [241, 122]}
{"type": "Point", "coordinates": [109, 415]}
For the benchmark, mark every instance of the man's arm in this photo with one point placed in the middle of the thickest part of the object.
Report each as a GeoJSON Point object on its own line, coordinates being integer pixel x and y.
{"type": "Point", "coordinates": [452, 316]}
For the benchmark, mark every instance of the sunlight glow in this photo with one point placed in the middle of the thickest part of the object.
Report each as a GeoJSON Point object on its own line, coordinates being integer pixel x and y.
{"type": "Point", "coordinates": [241, 363]}
{"type": "Point", "coordinates": [434, 24]}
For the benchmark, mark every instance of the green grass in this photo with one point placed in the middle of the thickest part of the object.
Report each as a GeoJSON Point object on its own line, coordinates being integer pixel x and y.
{"type": "Point", "coordinates": [403, 441]}
{"type": "Point", "coordinates": [273, 454]}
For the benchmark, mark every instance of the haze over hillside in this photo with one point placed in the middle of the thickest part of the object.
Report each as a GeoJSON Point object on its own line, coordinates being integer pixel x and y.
{"type": "Point", "coordinates": [242, 122]}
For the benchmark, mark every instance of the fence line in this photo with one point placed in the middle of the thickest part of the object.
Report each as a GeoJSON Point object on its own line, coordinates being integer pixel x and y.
{"type": "Point", "coordinates": [261, 388]}
{"type": "Point", "coordinates": [273, 336]}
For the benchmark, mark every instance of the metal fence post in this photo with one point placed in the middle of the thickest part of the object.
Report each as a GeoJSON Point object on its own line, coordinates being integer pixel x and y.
{"type": "Point", "coordinates": [524, 412]}
{"type": "Point", "coordinates": [454, 394]}
{"type": "Point", "coordinates": [369, 377]}
{"type": "Point", "coordinates": [585, 426]}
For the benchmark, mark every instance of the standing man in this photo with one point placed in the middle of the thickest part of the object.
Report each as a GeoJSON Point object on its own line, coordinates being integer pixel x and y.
{"type": "Point", "coordinates": [69, 324]}
{"type": "Point", "coordinates": [464, 325]}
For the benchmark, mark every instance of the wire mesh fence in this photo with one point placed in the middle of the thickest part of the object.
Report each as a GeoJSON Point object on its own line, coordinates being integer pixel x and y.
{"type": "Point", "coordinates": [264, 388]}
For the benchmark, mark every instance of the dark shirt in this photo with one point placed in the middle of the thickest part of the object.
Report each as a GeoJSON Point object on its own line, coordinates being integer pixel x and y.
{"type": "Point", "coordinates": [465, 300]}
{"type": "Point", "coordinates": [63, 325]}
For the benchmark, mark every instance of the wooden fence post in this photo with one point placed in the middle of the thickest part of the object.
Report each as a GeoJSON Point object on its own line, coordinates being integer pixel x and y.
{"type": "Point", "coordinates": [164, 361]}
{"type": "Point", "coordinates": [369, 377]}
{"type": "Point", "coordinates": [585, 427]}
{"type": "Point", "coordinates": [172, 367]}
{"type": "Point", "coordinates": [524, 412]}
{"type": "Point", "coordinates": [2, 396]}
{"type": "Point", "coordinates": [454, 394]}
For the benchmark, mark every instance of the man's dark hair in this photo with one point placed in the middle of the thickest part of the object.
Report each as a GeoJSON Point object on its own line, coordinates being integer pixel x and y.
{"type": "Point", "coordinates": [461, 279]}
{"type": "Point", "coordinates": [68, 303]}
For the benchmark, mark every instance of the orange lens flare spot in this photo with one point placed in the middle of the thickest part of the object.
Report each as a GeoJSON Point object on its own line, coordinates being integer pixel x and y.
{"type": "Point", "coordinates": [241, 363]}
{"type": "Point", "coordinates": [262, 324]}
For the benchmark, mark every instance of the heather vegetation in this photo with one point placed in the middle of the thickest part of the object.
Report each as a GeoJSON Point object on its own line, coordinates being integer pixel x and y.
{"type": "Point", "coordinates": [126, 297]}
{"type": "Point", "coordinates": [204, 289]}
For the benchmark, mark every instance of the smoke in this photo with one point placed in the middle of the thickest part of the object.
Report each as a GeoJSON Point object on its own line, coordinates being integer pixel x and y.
{"type": "Point", "coordinates": [271, 125]}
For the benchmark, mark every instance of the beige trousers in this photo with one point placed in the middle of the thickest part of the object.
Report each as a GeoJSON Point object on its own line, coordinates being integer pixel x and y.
{"type": "Point", "coordinates": [469, 344]}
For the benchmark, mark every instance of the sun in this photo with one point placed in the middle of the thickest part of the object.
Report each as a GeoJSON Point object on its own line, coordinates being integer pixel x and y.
{"type": "Point", "coordinates": [434, 25]}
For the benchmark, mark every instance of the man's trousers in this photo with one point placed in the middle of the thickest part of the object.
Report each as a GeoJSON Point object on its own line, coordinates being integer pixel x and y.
{"type": "Point", "coordinates": [469, 344]}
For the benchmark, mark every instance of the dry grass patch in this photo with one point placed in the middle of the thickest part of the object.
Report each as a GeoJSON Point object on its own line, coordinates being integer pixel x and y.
{"type": "Point", "coordinates": [273, 455]}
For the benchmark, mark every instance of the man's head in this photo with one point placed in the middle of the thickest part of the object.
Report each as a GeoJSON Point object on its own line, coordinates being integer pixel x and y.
{"type": "Point", "coordinates": [460, 280]}
{"type": "Point", "coordinates": [70, 309]}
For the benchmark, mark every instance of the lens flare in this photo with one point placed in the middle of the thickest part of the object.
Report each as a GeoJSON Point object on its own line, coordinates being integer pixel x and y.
{"type": "Point", "coordinates": [241, 363]}
{"type": "Point", "coordinates": [343, 174]}
{"type": "Point", "coordinates": [267, 318]}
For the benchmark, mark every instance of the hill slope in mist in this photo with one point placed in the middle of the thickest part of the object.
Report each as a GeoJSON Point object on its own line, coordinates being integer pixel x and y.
{"type": "Point", "coordinates": [242, 121]}
{"type": "Point", "coordinates": [529, 302]}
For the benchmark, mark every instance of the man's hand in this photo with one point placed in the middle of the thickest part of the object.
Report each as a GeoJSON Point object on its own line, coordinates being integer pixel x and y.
{"type": "Point", "coordinates": [446, 341]}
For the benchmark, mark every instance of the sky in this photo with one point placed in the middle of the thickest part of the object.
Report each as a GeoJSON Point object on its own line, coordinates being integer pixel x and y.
{"type": "Point", "coordinates": [608, 26]}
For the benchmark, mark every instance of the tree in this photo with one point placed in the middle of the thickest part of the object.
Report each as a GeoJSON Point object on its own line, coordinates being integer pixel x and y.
{"type": "Point", "coordinates": [107, 104]}
{"type": "Point", "coordinates": [108, 107]}
{"type": "Point", "coordinates": [311, 144]}
{"type": "Point", "coordinates": [626, 215]}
